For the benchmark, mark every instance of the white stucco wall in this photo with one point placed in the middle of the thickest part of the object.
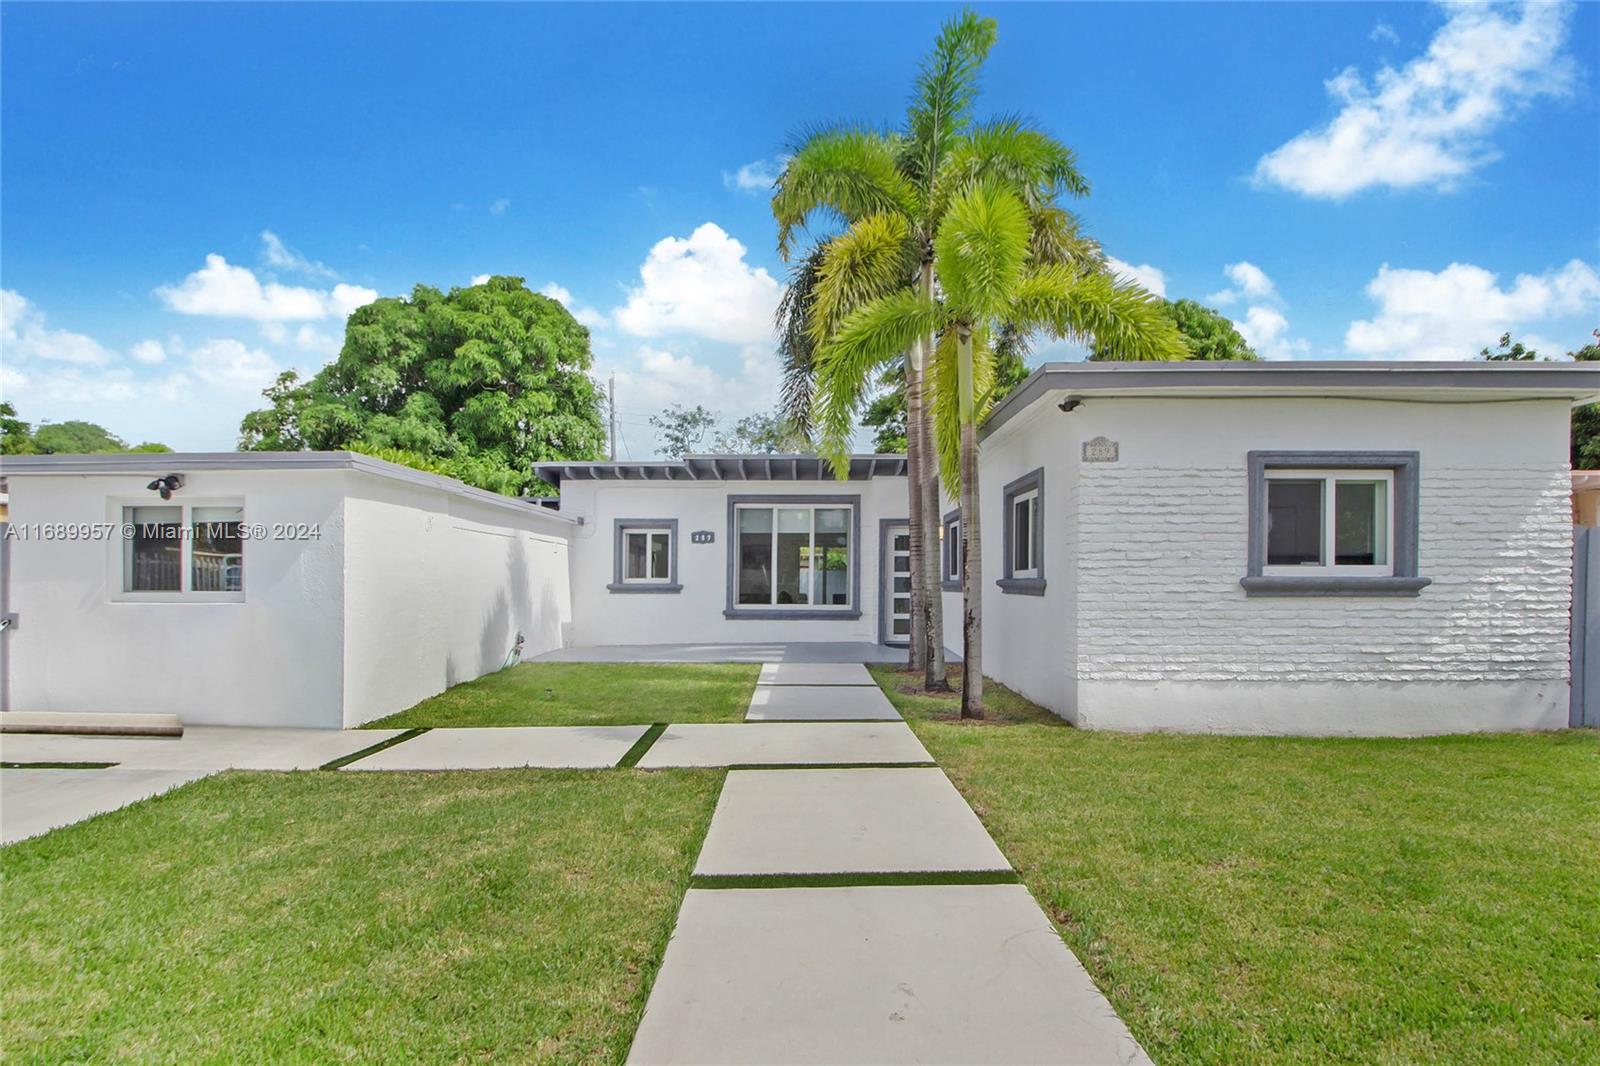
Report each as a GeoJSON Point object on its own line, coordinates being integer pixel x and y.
{"type": "Point", "coordinates": [437, 588]}
{"type": "Point", "coordinates": [274, 659]}
{"type": "Point", "coordinates": [695, 614]}
{"type": "Point", "coordinates": [1166, 637]}
{"type": "Point", "coordinates": [405, 589]}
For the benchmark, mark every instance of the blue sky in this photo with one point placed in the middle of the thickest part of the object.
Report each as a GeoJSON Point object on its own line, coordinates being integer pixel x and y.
{"type": "Point", "coordinates": [191, 196]}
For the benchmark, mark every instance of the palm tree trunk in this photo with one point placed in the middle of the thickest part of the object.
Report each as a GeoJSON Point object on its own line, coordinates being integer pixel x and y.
{"type": "Point", "coordinates": [930, 577]}
{"type": "Point", "coordinates": [971, 564]}
{"type": "Point", "coordinates": [915, 458]}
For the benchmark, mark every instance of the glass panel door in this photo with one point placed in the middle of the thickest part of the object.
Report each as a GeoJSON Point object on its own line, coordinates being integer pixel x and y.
{"type": "Point", "coordinates": [897, 586]}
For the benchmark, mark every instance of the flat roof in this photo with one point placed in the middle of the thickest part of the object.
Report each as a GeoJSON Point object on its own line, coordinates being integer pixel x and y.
{"type": "Point", "coordinates": [724, 468]}
{"type": "Point", "coordinates": [156, 464]}
{"type": "Point", "coordinates": [1433, 382]}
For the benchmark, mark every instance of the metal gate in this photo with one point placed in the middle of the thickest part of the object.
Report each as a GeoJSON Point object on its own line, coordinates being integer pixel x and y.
{"type": "Point", "coordinates": [1585, 626]}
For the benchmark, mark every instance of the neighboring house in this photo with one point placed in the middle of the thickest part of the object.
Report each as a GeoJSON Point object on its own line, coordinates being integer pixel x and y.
{"type": "Point", "coordinates": [1360, 548]}
{"type": "Point", "coordinates": [316, 589]}
{"type": "Point", "coordinates": [1586, 497]}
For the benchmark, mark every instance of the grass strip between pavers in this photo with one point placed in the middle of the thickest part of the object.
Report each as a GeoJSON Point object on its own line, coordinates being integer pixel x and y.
{"type": "Point", "coordinates": [856, 880]}
{"type": "Point", "coordinates": [634, 754]}
{"type": "Point", "coordinates": [56, 765]}
{"type": "Point", "coordinates": [372, 749]}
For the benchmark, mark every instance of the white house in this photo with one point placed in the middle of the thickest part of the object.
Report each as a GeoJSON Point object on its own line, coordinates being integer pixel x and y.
{"type": "Point", "coordinates": [269, 589]}
{"type": "Point", "coordinates": [1249, 547]}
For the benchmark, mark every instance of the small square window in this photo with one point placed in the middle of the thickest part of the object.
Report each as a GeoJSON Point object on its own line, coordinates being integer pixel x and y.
{"type": "Point", "coordinates": [1023, 535]}
{"type": "Point", "coordinates": [1329, 521]}
{"type": "Point", "coordinates": [183, 550]}
{"type": "Point", "coordinates": [646, 556]}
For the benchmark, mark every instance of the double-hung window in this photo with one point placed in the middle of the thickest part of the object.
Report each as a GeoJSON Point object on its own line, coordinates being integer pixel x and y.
{"type": "Point", "coordinates": [955, 546]}
{"type": "Point", "coordinates": [1333, 524]}
{"type": "Point", "coordinates": [1022, 524]}
{"type": "Point", "coordinates": [183, 550]}
{"type": "Point", "coordinates": [1330, 522]}
{"type": "Point", "coordinates": [793, 555]}
{"type": "Point", "coordinates": [645, 555]}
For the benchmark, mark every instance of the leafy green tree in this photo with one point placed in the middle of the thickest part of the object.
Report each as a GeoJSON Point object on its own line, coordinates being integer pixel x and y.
{"type": "Point", "coordinates": [1208, 334]}
{"type": "Point", "coordinates": [16, 436]}
{"type": "Point", "coordinates": [886, 412]}
{"type": "Point", "coordinates": [759, 434]}
{"type": "Point", "coordinates": [682, 429]}
{"type": "Point", "coordinates": [478, 383]}
{"type": "Point", "coordinates": [76, 438]}
{"type": "Point", "coordinates": [1508, 352]}
{"type": "Point", "coordinates": [992, 277]}
{"type": "Point", "coordinates": [1586, 419]}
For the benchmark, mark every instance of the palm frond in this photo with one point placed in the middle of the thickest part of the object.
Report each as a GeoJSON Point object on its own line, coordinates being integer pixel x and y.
{"type": "Point", "coordinates": [941, 107]}
{"type": "Point", "coordinates": [981, 250]}
{"type": "Point", "coordinates": [1058, 237]}
{"type": "Point", "coordinates": [870, 336]}
{"type": "Point", "coordinates": [1114, 315]}
{"type": "Point", "coordinates": [874, 257]}
{"type": "Point", "coordinates": [1034, 164]}
{"type": "Point", "coordinates": [942, 394]}
{"type": "Point", "coordinates": [796, 351]}
{"type": "Point", "coordinates": [847, 171]}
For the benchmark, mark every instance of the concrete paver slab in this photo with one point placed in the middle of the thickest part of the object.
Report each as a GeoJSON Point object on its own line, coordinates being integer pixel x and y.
{"type": "Point", "coordinates": [819, 703]}
{"type": "Point", "coordinates": [784, 744]}
{"type": "Point", "coordinates": [200, 748]}
{"type": "Point", "coordinates": [36, 801]}
{"type": "Point", "coordinates": [571, 747]}
{"type": "Point", "coordinates": [844, 821]}
{"type": "Point", "coordinates": [815, 674]}
{"type": "Point", "coordinates": [949, 973]}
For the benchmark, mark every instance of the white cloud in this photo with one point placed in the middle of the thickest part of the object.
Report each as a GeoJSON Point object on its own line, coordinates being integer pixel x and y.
{"type": "Point", "coordinates": [25, 337]}
{"type": "Point", "coordinates": [149, 352]}
{"type": "Point", "coordinates": [757, 177]}
{"type": "Point", "coordinates": [701, 286]}
{"type": "Point", "coordinates": [233, 367]}
{"type": "Point", "coordinates": [1152, 278]}
{"type": "Point", "coordinates": [1427, 124]}
{"type": "Point", "coordinates": [1264, 326]}
{"type": "Point", "coordinates": [479, 279]}
{"type": "Point", "coordinates": [500, 206]}
{"type": "Point", "coordinates": [588, 316]}
{"type": "Point", "coordinates": [221, 289]}
{"type": "Point", "coordinates": [1383, 33]}
{"type": "Point", "coordinates": [1454, 312]}
{"type": "Point", "coordinates": [279, 256]}
{"type": "Point", "coordinates": [653, 379]}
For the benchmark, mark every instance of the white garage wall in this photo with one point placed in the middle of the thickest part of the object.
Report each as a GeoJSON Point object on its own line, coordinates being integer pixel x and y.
{"type": "Point", "coordinates": [274, 659]}
{"type": "Point", "coordinates": [438, 585]}
{"type": "Point", "coordinates": [695, 615]}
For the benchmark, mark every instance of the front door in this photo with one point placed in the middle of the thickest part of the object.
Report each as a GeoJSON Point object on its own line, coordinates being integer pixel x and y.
{"type": "Point", "coordinates": [896, 593]}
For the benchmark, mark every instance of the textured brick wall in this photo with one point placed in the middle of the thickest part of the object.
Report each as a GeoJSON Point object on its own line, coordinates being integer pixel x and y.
{"type": "Point", "coordinates": [1162, 548]}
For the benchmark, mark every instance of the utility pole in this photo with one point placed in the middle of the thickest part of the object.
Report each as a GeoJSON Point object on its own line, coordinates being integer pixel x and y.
{"type": "Point", "coordinates": [611, 408]}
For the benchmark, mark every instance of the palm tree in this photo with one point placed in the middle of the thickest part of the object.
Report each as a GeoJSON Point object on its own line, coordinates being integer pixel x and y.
{"type": "Point", "coordinates": [995, 273]}
{"type": "Point", "coordinates": [884, 188]}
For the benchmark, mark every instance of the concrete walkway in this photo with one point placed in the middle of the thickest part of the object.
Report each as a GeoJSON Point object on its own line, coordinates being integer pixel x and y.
{"type": "Point", "coordinates": [771, 652]}
{"type": "Point", "coordinates": [888, 959]}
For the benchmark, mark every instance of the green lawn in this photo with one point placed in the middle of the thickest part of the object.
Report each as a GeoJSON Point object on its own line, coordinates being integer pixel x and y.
{"type": "Point", "coordinates": [379, 917]}
{"type": "Point", "coordinates": [1283, 900]}
{"type": "Point", "coordinates": [589, 694]}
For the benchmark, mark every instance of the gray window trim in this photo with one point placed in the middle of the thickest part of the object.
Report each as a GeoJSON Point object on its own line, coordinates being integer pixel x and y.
{"type": "Point", "coordinates": [1406, 467]}
{"type": "Point", "coordinates": [622, 525]}
{"type": "Point", "coordinates": [733, 610]}
{"type": "Point", "coordinates": [1023, 586]}
{"type": "Point", "coordinates": [952, 544]}
{"type": "Point", "coordinates": [884, 600]}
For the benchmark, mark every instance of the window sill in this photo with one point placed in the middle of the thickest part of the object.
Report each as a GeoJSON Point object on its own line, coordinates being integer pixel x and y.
{"type": "Point", "coordinates": [1022, 586]}
{"type": "Point", "coordinates": [814, 614]}
{"type": "Point", "coordinates": [951, 586]}
{"type": "Point", "coordinates": [645, 587]}
{"type": "Point", "coordinates": [178, 597]}
{"type": "Point", "coordinates": [1334, 586]}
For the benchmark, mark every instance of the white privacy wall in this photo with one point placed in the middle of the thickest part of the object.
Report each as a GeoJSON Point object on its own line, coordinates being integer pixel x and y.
{"type": "Point", "coordinates": [274, 659]}
{"type": "Point", "coordinates": [437, 587]}
{"type": "Point", "coordinates": [1168, 639]}
{"type": "Point", "coordinates": [695, 614]}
